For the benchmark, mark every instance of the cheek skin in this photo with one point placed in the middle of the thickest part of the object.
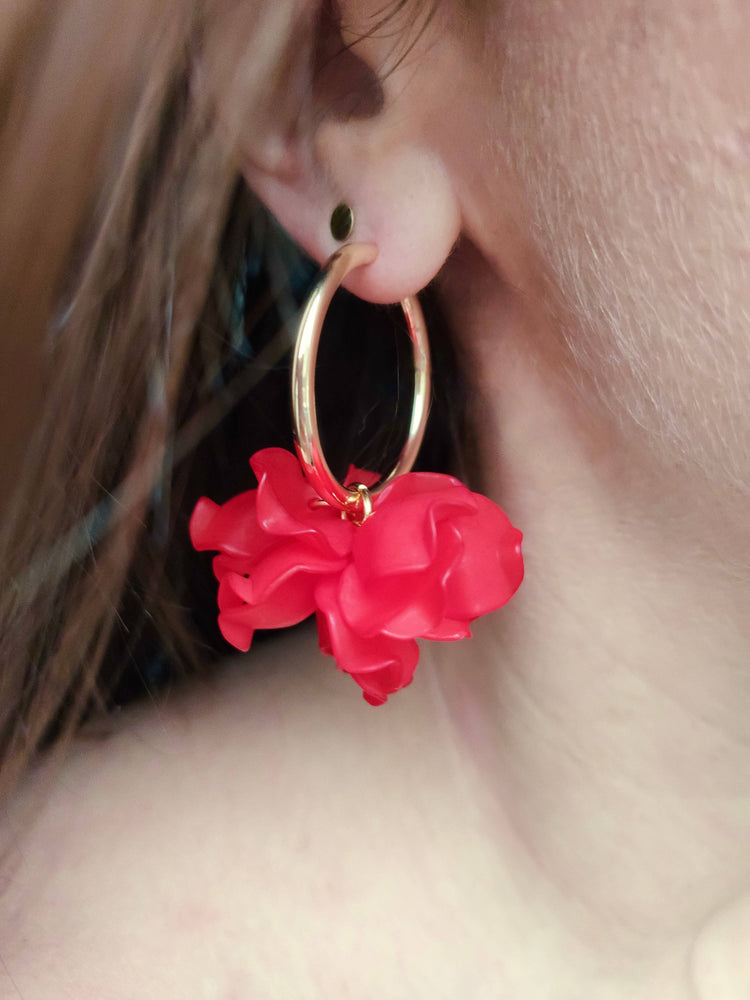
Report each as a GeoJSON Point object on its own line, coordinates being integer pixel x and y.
{"type": "Point", "coordinates": [628, 126]}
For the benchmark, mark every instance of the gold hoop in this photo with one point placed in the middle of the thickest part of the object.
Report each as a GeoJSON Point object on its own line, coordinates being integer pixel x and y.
{"type": "Point", "coordinates": [354, 501]}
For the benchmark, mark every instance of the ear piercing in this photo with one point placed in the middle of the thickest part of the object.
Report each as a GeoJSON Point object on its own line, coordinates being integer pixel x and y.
{"type": "Point", "coordinates": [342, 222]}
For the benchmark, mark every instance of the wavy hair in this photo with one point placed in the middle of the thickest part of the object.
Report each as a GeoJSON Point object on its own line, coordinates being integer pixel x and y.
{"type": "Point", "coordinates": [122, 228]}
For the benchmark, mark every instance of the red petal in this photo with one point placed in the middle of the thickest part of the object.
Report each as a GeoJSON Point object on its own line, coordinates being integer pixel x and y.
{"type": "Point", "coordinates": [235, 630]}
{"type": "Point", "coordinates": [403, 606]}
{"type": "Point", "coordinates": [433, 557]}
{"type": "Point", "coordinates": [401, 535]}
{"type": "Point", "coordinates": [414, 483]}
{"type": "Point", "coordinates": [291, 601]}
{"type": "Point", "coordinates": [230, 527]}
{"type": "Point", "coordinates": [448, 631]}
{"type": "Point", "coordinates": [223, 564]}
{"type": "Point", "coordinates": [324, 635]}
{"type": "Point", "coordinates": [380, 664]}
{"type": "Point", "coordinates": [288, 558]}
{"type": "Point", "coordinates": [376, 686]}
{"type": "Point", "coordinates": [227, 597]}
{"type": "Point", "coordinates": [288, 505]}
{"type": "Point", "coordinates": [490, 569]}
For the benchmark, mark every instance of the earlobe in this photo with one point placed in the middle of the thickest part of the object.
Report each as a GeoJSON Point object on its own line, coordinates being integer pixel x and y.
{"type": "Point", "coordinates": [367, 140]}
{"type": "Point", "coordinates": [403, 202]}
{"type": "Point", "coordinates": [348, 107]}
{"type": "Point", "coordinates": [358, 116]}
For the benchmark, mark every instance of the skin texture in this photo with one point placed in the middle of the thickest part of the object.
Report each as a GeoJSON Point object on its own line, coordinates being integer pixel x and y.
{"type": "Point", "coordinates": [561, 807]}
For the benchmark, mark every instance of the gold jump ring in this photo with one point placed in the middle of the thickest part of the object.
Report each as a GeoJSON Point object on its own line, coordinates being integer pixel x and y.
{"type": "Point", "coordinates": [354, 500]}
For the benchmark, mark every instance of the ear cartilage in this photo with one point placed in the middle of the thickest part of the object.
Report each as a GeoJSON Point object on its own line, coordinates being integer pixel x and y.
{"type": "Point", "coordinates": [342, 222]}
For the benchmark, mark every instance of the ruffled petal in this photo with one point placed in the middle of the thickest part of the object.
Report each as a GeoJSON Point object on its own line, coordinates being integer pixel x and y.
{"type": "Point", "coordinates": [231, 527]}
{"type": "Point", "coordinates": [227, 597]}
{"type": "Point", "coordinates": [380, 664]}
{"type": "Point", "coordinates": [448, 630]}
{"type": "Point", "coordinates": [288, 506]}
{"type": "Point", "coordinates": [223, 564]}
{"type": "Point", "coordinates": [235, 630]}
{"type": "Point", "coordinates": [414, 483]}
{"type": "Point", "coordinates": [290, 601]}
{"type": "Point", "coordinates": [377, 685]}
{"type": "Point", "coordinates": [402, 605]}
{"type": "Point", "coordinates": [400, 535]}
{"type": "Point", "coordinates": [324, 634]}
{"type": "Point", "coordinates": [490, 569]}
{"type": "Point", "coordinates": [432, 557]}
{"type": "Point", "coordinates": [431, 550]}
{"type": "Point", "coordinates": [232, 619]}
{"type": "Point", "coordinates": [285, 559]}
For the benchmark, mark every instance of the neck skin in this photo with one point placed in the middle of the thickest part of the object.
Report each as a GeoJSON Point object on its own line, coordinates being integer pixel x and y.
{"type": "Point", "coordinates": [558, 809]}
{"type": "Point", "coordinates": [606, 708]}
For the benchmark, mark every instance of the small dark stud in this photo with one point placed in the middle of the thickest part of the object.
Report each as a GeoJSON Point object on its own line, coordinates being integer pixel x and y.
{"type": "Point", "coordinates": [342, 223]}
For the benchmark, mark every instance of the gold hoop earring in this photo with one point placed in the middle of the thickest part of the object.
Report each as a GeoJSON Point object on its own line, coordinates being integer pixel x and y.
{"type": "Point", "coordinates": [355, 501]}
{"type": "Point", "coordinates": [416, 556]}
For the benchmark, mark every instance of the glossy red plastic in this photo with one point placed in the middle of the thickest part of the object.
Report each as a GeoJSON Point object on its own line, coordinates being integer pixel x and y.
{"type": "Point", "coordinates": [431, 558]}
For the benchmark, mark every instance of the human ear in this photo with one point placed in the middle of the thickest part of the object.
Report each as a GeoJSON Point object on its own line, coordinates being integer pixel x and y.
{"type": "Point", "coordinates": [351, 127]}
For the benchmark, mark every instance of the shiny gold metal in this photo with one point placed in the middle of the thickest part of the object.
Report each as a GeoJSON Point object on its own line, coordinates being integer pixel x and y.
{"type": "Point", "coordinates": [360, 503]}
{"type": "Point", "coordinates": [355, 502]}
{"type": "Point", "coordinates": [342, 222]}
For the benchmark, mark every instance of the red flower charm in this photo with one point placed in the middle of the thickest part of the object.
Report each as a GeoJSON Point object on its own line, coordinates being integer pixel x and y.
{"type": "Point", "coordinates": [431, 558]}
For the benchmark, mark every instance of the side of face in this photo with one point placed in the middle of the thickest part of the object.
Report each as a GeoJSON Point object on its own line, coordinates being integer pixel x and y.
{"type": "Point", "coordinates": [629, 126]}
{"type": "Point", "coordinates": [600, 153]}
